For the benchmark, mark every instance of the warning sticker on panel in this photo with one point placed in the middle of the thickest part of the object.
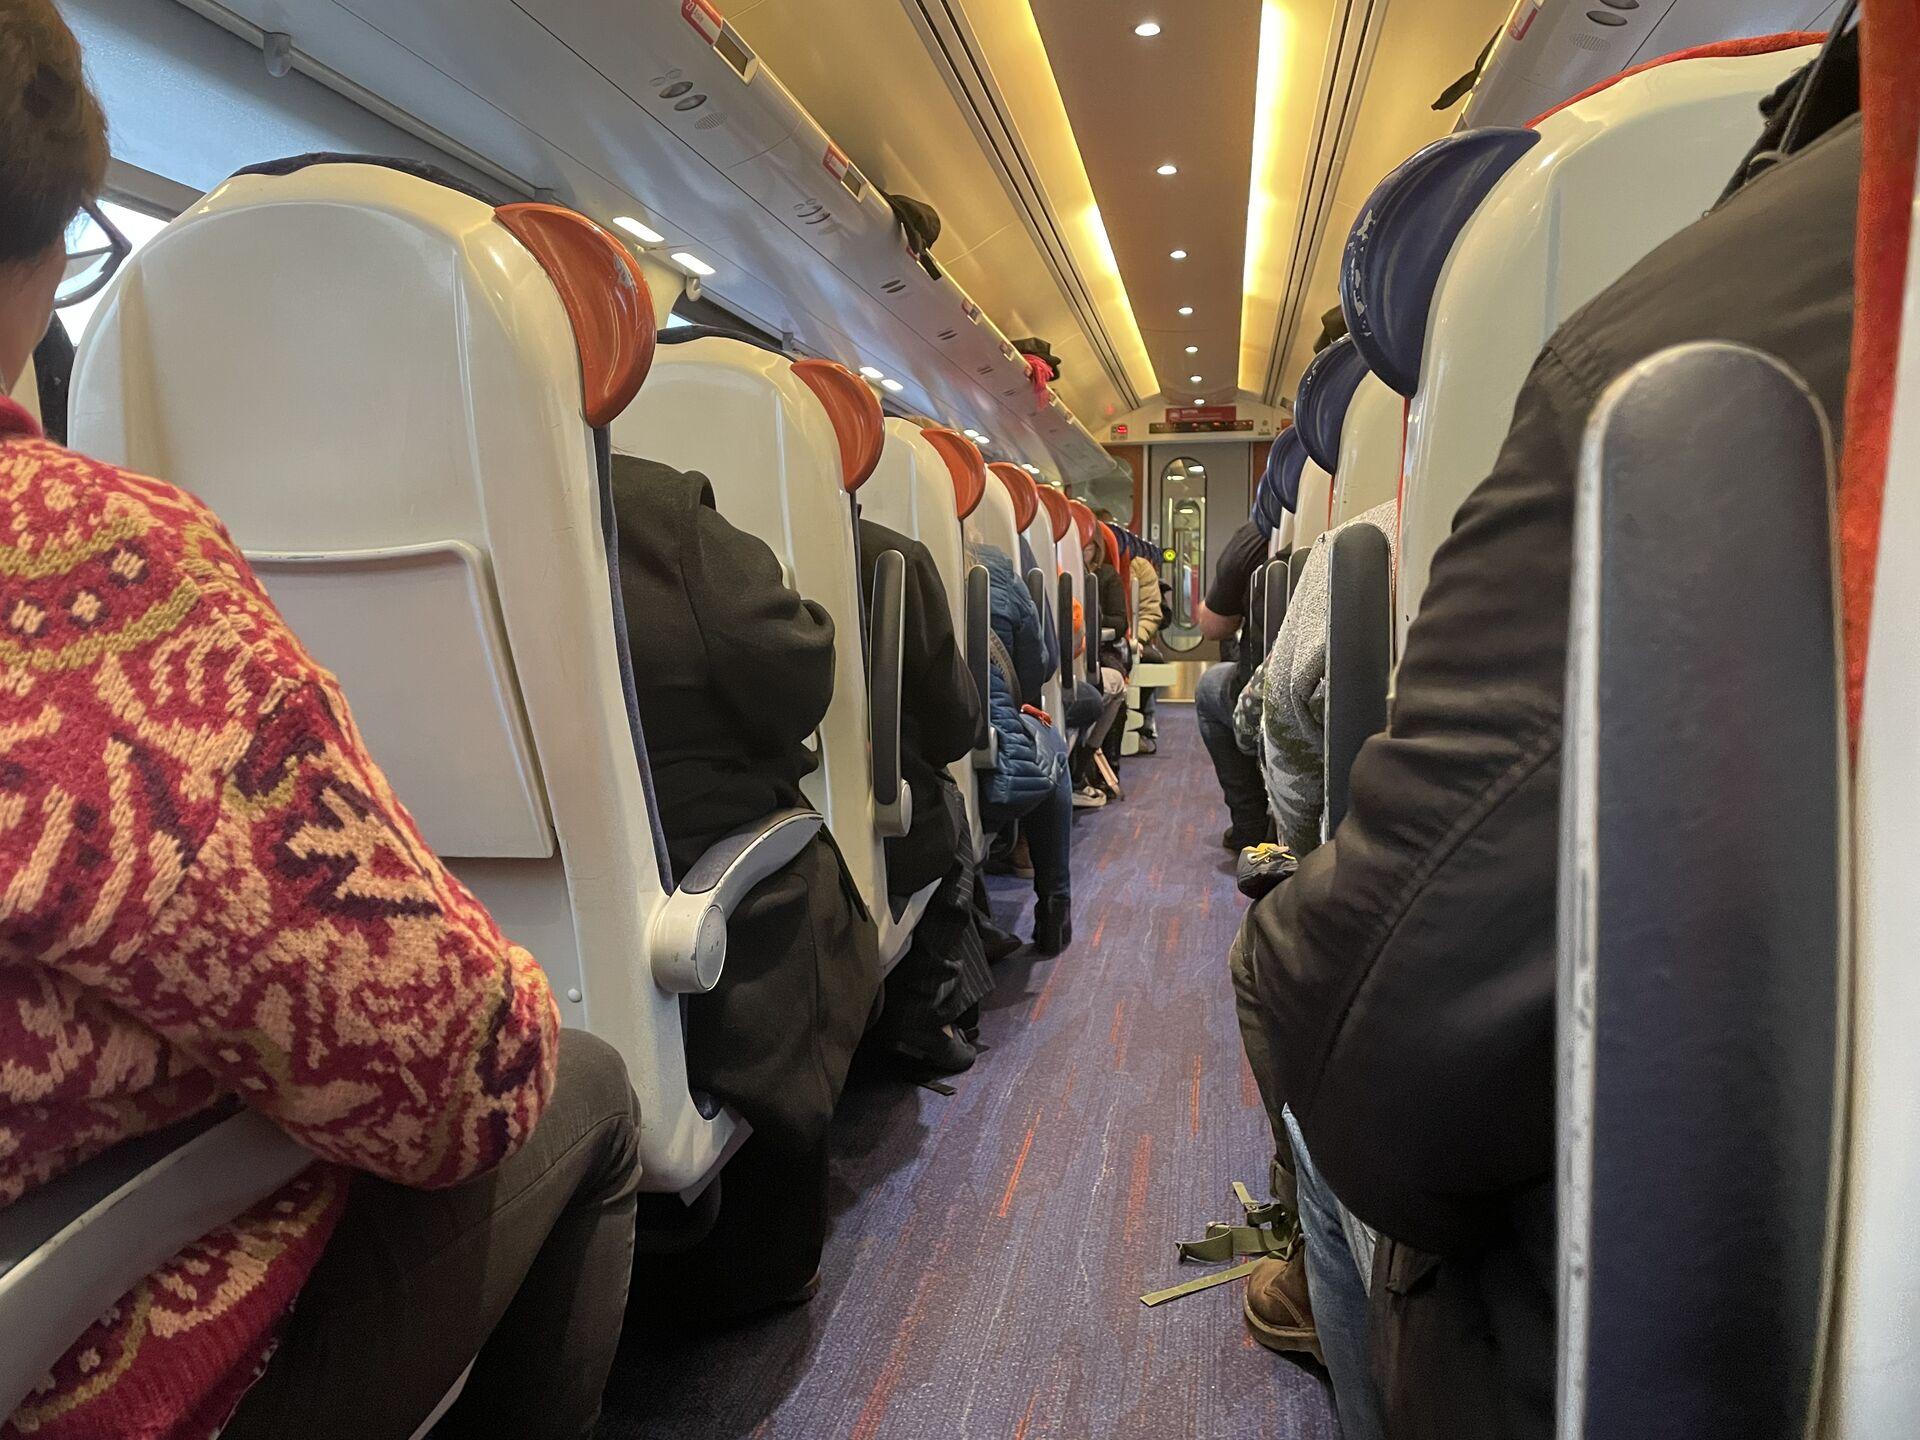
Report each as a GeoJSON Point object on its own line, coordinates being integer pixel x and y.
{"type": "Point", "coordinates": [840, 165]}
{"type": "Point", "coordinates": [1517, 27]}
{"type": "Point", "coordinates": [705, 17]}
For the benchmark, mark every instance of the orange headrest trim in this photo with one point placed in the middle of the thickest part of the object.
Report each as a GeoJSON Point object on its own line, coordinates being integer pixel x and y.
{"type": "Point", "coordinates": [1026, 496]}
{"type": "Point", "coordinates": [1113, 544]}
{"type": "Point", "coordinates": [856, 415]}
{"type": "Point", "coordinates": [607, 302]}
{"type": "Point", "coordinates": [1083, 520]}
{"type": "Point", "coordinates": [1057, 508]}
{"type": "Point", "coordinates": [967, 465]}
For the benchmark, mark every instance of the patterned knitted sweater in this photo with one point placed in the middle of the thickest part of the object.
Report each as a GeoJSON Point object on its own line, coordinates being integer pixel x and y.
{"type": "Point", "coordinates": [208, 890]}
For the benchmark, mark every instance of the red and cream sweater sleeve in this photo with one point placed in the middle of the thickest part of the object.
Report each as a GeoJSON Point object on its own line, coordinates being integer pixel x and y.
{"type": "Point", "coordinates": [253, 890]}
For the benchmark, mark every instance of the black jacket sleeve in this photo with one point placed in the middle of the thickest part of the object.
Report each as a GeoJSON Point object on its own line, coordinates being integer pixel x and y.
{"type": "Point", "coordinates": [1408, 968]}
{"type": "Point", "coordinates": [770, 652]}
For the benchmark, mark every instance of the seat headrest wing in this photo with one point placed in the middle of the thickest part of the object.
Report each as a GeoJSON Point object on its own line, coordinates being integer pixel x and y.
{"type": "Point", "coordinates": [1026, 495]}
{"type": "Point", "coordinates": [1401, 242]}
{"type": "Point", "coordinates": [606, 301]}
{"type": "Point", "coordinates": [1057, 511]}
{"type": "Point", "coordinates": [1325, 394]}
{"type": "Point", "coordinates": [1112, 543]}
{"type": "Point", "coordinates": [1083, 520]}
{"type": "Point", "coordinates": [967, 465]}
{"type": "Point", "coordinates": [856, 415]}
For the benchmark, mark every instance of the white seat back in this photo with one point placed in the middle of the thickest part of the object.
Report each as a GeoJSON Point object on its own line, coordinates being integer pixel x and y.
{"type": "Point", "coordinates": [1046, 554]}
{"type": "Point", "coordinates": [1604, 182]}
{"type": "Point", "coordinates": [379, 390]}
{"type": "Point", "coordinates": [743, 417]}
{"type": "Point", "coordinates": [1369, 451]}
{"type": "Point", "coordinates": [913, 492]}
{"type": "Point", "coordinates": [1316, 499]}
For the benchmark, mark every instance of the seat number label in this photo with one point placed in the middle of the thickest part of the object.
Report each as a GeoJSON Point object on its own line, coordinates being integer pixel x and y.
{"type": "Point", "coordinates": [704, 16]}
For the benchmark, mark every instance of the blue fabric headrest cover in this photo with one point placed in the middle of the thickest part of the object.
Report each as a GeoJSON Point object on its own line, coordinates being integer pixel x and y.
{"type": "Point", "coordinates": [1401, 242]}
{"type": "Point", "coordinates": [1320, 405]}
{"type": "Point", "coordinates": [1293, 462]}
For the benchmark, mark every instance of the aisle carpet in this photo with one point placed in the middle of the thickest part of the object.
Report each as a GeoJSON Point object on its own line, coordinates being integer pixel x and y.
{"type": "Point", "coordinates": [989, 1249]}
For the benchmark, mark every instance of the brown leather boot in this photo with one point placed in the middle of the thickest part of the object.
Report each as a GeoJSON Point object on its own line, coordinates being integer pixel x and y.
{"type": "Point", "coordinates": [1277, 1309]}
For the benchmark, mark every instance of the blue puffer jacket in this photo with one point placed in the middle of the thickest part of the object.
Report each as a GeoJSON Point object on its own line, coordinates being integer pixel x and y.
{"type": "Point", "coordinates": [1024, 774]}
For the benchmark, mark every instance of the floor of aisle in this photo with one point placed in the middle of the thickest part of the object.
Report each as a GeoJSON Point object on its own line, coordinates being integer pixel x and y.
{"type": "Point", "coordinates": [989, 1248]}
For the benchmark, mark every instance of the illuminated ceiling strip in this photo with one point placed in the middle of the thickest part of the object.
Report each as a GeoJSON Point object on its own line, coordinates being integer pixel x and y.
{"type": "Point", "coordinates": [1268, 242]}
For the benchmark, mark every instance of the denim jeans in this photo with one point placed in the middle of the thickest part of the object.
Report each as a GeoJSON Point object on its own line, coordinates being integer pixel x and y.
{"type": "Point", "coordinates": [1240, 779]}
{"type": "Point", "coordinates": [1339, 1265]}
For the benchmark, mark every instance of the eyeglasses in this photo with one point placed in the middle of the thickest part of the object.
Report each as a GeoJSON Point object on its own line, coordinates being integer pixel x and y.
{"type": "Point", "coordinates": [95, 248]}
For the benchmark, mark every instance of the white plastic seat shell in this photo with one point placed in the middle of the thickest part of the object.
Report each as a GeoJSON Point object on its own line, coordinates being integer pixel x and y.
{"type": "Point", "coordinates": [414, 402]}
{"type": "Point", "coordinates": [739, 415]}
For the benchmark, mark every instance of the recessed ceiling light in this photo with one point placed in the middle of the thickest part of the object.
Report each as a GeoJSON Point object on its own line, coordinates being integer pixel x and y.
{"type": "Point", "coordinates": [639, 232]}
{"type": "Point", "coordinates": [894, 385]}
{"type": "Point", "coordinates": [692, 263]}
{"type": "Point", "coordinates": [1147, 29]}
{"type": "Point", "coordinates": [1193, 349]}
{"type": "Point", "coordinates": [871, 373]}
{"type": "Point", "coordinates": [1178, 255]}
{"type": "Point", "coordinates": [1186, 309]}
{"type": "Point", "coordinates": [1194, 379]}
{"type": "Point", "coordinates": [1168, 170]}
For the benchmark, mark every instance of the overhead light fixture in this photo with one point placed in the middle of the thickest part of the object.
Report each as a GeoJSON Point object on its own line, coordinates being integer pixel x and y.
{"type": "Point", "coordinates": [692, 263]}
{"type": "Point", "coordinates": [871, 373]}
{"type": "Point", "coordinates": [1168, 170]}
{"type": "Point", "coordinates": [1178, 255]}
{"type": "Point", "coordinates": [1186, 310]}
{"type": "Point", "coordinates": [639, 232]}
{"type": "Point", "coordinates": [1193, 349]}
{"type": "Point", "coordinates": [1147, 29]}
{"type": "Point", "coordinates": [894, 385]}
{"type": "Point", "coordinates": [1193, 379]}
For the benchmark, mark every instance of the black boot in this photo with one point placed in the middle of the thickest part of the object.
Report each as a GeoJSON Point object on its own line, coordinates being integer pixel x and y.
{"type": "Point", "coordinates": [1052, 924]}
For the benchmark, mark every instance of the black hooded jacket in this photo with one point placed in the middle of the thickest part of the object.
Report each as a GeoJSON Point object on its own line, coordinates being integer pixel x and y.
{"type": "Point", "coordinates": [1408, 969]}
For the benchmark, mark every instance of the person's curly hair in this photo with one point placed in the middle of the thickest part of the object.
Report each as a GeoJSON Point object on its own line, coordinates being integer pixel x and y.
{"type": "Point", "coordinates": [53, 134]}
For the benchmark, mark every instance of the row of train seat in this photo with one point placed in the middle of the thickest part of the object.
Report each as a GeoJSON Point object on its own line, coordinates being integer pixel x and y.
{"type": "Point", "coordinates": [1735, 1083]}
{"type": "Point", "coordinates": [414, 448]}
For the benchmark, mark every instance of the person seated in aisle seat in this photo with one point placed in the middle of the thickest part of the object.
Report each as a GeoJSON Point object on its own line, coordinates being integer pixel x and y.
{"type": "Point", "coordinates": [734, 674]}
{"type": "Point", "coordinates": [1281, 718]}
{"type": "Point", "coordinates": [1407, 972]}
{"type": "Point", "coordinates": [933, 995]}
{"type": "Point", "coordinates": [1221, 616]}
{"type": "Point", "coordinates": [1150, 614]}
{"type": "Point", "coordinates": [213, 896]}
{"type": "Point", "coordinates": [1028, 784]}
{"type": "Point", "coordinates": [1091, 787]}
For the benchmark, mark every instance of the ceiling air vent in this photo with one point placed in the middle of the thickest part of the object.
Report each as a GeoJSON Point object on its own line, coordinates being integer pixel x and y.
{"type": "Point", "coordinates": [895, 287]}
{"type": "Point", "coordinates": [949, 335]}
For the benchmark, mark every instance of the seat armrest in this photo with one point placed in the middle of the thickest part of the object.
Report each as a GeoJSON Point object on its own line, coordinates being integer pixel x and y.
{"type": "Point", "coordinates": [1275, 596]}
{"type": "Point", "coordinates": [886, 675]}
{"type": "Point", "coordinates": [1359, 654]}
{"type": "Point", "coordinates": [689, 935]}
{"type": "Point", "coordinates": [1092, 607]}
{"type": "Point", "coordinates": [1067, 633]}
{"type": "Point", "coordinates": [1037, 588]}
{"type": "Point", "coordinates": [76, 1245]}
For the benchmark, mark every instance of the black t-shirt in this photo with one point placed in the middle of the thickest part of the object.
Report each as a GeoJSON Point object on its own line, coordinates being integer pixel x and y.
{"type": "Point", "coordinates": [1246, 552]}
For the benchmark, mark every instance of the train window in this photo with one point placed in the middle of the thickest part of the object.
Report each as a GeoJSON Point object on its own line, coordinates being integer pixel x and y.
{"type": "Point", "coordinates": [139, 226]}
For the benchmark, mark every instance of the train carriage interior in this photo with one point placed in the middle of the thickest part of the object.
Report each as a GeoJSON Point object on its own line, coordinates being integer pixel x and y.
{"type": "Point", "coordinates": [959, 719]}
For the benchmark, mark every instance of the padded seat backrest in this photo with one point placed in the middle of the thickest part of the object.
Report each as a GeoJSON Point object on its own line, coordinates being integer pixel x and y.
{"type": "Point", "coordinates": [377, 387]}
{"type": "Point", "coordinates": [1569, 208]}
{"type": "Point", "coordinates": [743, 417]}
{"type": "Point", "coordinates": [1316, 499]}
{"type": "Point", "coordinates": [1370, 445]}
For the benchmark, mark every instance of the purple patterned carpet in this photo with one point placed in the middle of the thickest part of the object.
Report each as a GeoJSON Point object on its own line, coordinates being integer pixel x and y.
{"type": "Point", "coordinates": [983, 1277]}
